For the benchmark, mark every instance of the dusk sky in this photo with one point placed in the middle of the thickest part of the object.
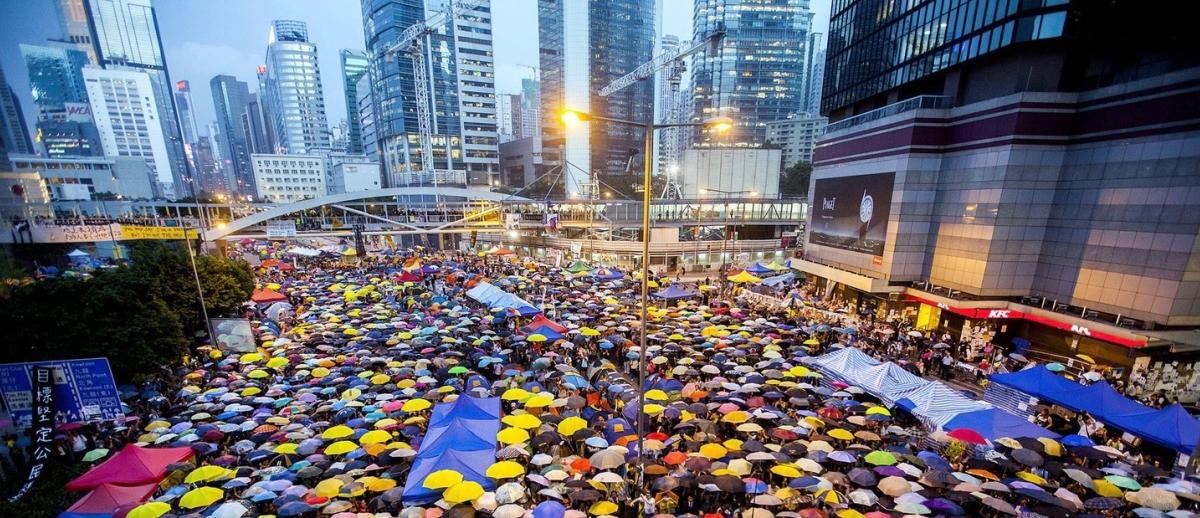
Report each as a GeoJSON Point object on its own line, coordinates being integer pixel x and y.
{"type": "Point", "coordinates": [210, 37]}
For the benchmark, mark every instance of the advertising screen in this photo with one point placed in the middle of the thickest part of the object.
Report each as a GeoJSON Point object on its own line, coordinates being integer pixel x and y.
{"type": "Point", "coordinates": [852, 212]}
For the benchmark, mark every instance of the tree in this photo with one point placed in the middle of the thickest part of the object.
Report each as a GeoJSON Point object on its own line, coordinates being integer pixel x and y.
{"type": "Point", "coordinates": [794, 181]}
{"type": "Point", "coordinates": [227, 283]}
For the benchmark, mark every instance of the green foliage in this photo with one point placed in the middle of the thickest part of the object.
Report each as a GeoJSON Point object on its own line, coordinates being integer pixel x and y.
{"type": "Point", "coordinates": [46, 499]}
{"type": "Point", "coordinates": [794, 181]}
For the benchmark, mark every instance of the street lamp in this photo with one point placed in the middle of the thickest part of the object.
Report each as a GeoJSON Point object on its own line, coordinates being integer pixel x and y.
{"type": "Point", "coordinates": [571, 117]}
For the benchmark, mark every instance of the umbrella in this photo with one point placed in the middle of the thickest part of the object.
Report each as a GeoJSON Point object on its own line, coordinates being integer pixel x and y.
{"type": "Point", "coordinates": [96, 454]}
{"type": "Point", "coordinates": [201, 497]}
{"type": "Point", "coordinates": [463, 492]}
{"type": "Point", "coordinates": [149, 510]}
{"type": "Point", "coordinates": [442, 479]}
{"type": "Point", "coordinates": [505, 469]}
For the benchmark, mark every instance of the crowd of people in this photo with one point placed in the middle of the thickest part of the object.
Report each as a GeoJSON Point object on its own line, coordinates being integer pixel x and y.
{"type": "Point", "coordinates": [329, 415]}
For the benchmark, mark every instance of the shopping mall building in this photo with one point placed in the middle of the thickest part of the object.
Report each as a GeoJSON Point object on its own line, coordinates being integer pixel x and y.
{"type": "Point", "coordinates": [1015, 170]}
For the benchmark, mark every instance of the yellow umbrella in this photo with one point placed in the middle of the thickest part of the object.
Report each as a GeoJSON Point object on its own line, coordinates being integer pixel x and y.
{"type": "Point", "coordinates": [784, 470]}
{"type": "Point", "coordinates": [380, 379]}
{"type": "Point", "coordinates": [340, 448]}
{"type": "Point", "coordinates": [1086, 358]}
{"type": "Point", "coordinates": [200, 497]}
{"type": "Point", "coordinates": [206, 474]}
{"type": "Point", "coordinates": [713, 451]}
{"type": "Point", "coordinates": [416, 405]}
{"type": "Point", "coordinates": [250, 358]}
{"type": "Point", "coordinates": [442, 478]}
{"type": "Point", "coordinates": [536, 337]}
{"type": "Point", "coordinates": [375, 437]}
{"type": "Point", "coordinates": [258, 374]}
{"type": "Point", "coordinates": [149, 510]}
{"type": "Point", "coordinates": [386, 422]}
{"type": "Point", "coordinates": [736, 417]}
{"type": "Point", "coordinates": [1008, 441]}
{"type": "Point", "coordinates": [1031, 477]}
{"type": "Point", "coordinates": [602, 507]}
{"type": "Point", "coordinates": [337, 432]}
{"type": "Point", "coordinates": [839, 433]}
{"type": "Point", "coordinates": [811, 341]}
{"type": "Point", "coordinates": [570, 425]}
{"type": "Point", "coordinates": [320, 372]}
{"type": "Point", "coordinates": [380, 485]}
{"type": "Point", "coordinates": [523, 421]}
{"type": "Point", "coordinates": [329, 487]}
{"type": "Point", "coordinates": [540, 401]}
{"type": "Point", "coordinates": [512, 394]}
{"type": "Point", "coordinates": [1105, 488]}
{"type": "Point", "coordinates": [505, 469]}
{"type": "Point", "coordinates": [656, 395]}
{"type": "Point", "coordinates": [351, 394]}
{"type": "Point", "coordinates": [512, 436]}
{"type": "Point", "coordinates": [463, 492]}
{"type": "Point", "coordinates": [277, 362]}
{"type": "Point", "coordinates": [879, 410]}
{"type": "Point", "coordinates": [733, 444]}
{"type": "Point", "coordinates": [653, 409]}
{"type": "Point", "coordinates": [587, 331]}
{"type": "Point", "coordinates": [1051, 446]}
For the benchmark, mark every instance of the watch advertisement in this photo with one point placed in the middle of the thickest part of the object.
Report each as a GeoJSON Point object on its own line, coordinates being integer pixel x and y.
{"type": "Point", "coordinates": [851, 212]}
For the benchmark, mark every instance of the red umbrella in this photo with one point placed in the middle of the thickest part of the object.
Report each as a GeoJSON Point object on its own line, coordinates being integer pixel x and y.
{"type": "Point", "coordinates": [967, 435]}
{"type": "Point", "coordinates": [675, 458]}
{"type": "Point", "coordinates": [581, 464]}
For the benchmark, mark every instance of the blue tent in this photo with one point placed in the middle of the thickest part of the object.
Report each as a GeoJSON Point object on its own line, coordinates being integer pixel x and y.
{"type": "Point", "coordinates": [605, 274]}
{"type": "Point", "coordinates": [1172, 427]}
{"type": "Point", "coordinates": [759, 269]}
{"type": "Point", "coordinates": [1100, 400]}
{"type": "Point", "coordinates": [995, 423]}
{"type": "Point", "coordinates": [1037, 381]}
{"type": "Point", "coordinates": [461, 437]}
{"type": "Point", "coordinates": [779, 279]}
{"type": "Point", "coordinates": [550, 334]}
{"type": "Point", "coordinates": [674, 292]}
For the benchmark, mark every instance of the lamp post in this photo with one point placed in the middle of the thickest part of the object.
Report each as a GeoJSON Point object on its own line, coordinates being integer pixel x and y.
{"type": "Point", "coordinates": [720, 124]}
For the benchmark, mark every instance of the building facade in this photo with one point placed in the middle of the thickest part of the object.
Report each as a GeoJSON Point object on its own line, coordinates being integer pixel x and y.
{"type": "Point", "coordinates": [230, 100]}
{"type": "Point", "coordinates": [1043, 193]}
{"type": "Point", "coordinates": [529, 123]}
{"type": "Point", "coordinates": [82, 178]}
{"type": "Point", "coordinates": [461, 84]}
{"type": "Point", "coordinates": [124, 35]}
{"type": "Point", "coordinates": [673, 107]}
{"type": "Point", "coordinates": [13, 136]}
{"type": "Point", "coordinates": [506, 116]}
{"type": "Point", "coordinates": [349, 172]}
{"type": "Point", "coordinates": [127, 119]}
{"type": "Point", "coordinates": [730, 173]}
{"type": "Point", "coordinates": [814, 73]}
{"type": "Point", "coordinates": [520, 162]}
{"type": "Point", "coordinates": [287, 178]}
{"type": "Point", "coordinates": [187, 115]}
{"type": "Point", "coordinates": [295, 97]}
{"type": "Point", "coordinates": [757, 75]}
{"type": "Point", "coordinates": [796, 137]}
{"type": "Point", "coordinates": [354, 67]}
{"type": "Point", "coordinates": [65, 126]}
{"type": "Point", "coordinates": [572, 74]}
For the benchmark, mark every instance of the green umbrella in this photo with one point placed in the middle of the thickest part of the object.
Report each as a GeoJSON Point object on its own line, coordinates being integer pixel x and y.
{"type": "Point", "coordinates": [96, 454]}
{"type": "Point", "coordinates": [458, 369]}
{"type": "Point", "coordinates": [880, 458]}
{"type": "Point", "coordinates": [1123, 482]}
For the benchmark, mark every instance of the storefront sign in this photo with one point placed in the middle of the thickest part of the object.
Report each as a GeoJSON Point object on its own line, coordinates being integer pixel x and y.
{"type": "Point", "coordinates": [1004, 313]}
{"type": "Point", "coordinates": [43, 427]}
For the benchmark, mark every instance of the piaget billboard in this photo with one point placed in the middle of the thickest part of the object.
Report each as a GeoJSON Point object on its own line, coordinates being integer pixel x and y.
{"type": "Point", "coordinates": [852, 212]}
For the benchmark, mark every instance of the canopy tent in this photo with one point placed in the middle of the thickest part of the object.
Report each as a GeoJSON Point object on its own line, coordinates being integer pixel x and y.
{"type": "Point", "coordinates": [485, 293]}
{"type": "Point", "coordinates": [606, 274]}
{"type": "Point", "coordinates": [1098, 399]}
{"type": "Point", "coordinates": [407, 276]}
{"type": "Point", "coordinates": [759, 269]}
{"type": "Point", "coordinates": [511, 301]}
{"type": "Point", "coordinates": [304, 251]}
{"type": "Point", "coordinates": [888, 380]}
{"type": "Point", "coordinates": [78, 254]}
{"type": "Point", "coordinates": [548, 332]}
{"type": "Point", "coordinates": [1036, 381]}
{"type": "Point", "coordinates": [579, 267]}
{"type": "Point", "coordinates": [131, 466]}
{"type": "Point", "coordinates": [1172, 427]}
{"type": "Point", "coordinates": [843, 362]}
{"type": "Point", "coordinates": [743, 277]}
{"type": "Point", "coordinates": [542, 321]}
{"type": "Point", "coordinates": [935, 404]}
{"type": "Point", "coordinates": [107, 499]}
{"type": "Point", "coordinates": [675, 292]}
{"type": "Point", "coordinates": [462, 438]}
{"type": "Point", "coordinates": [994, 423]}
{"type": "Point", "coordinates": [779, 279]}
{"type": "Point", "coordinates": [260, 296]}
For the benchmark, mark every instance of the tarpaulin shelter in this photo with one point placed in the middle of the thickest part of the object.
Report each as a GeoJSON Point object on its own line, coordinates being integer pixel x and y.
{"type": "Point", "coordinates": [995, 423]}
{"type": "Point", "coordinates": [888, 380]}
{"type": "Point", "coordinates": [1172, 427]}
{"type": "Point", "coordinates": [131, 466]}
{"type": "Point", "coordinates": [546, 331]}
{"type": "Point", "coordinates": [485, 293]}
{"type": "Point", "coordinates": [461, 437]}
{"type": "Point", "coordinates": [266, 296]}
{"type": "Point", "coordinates": [779, 279]}
{"type": "Point", "coordinates": [107, 499]}
{"type": "Point", "coordinates": [579, 267]}
{"type": "Point", "coordinates": [407, 276]}
{"type": "Point", "coordinates": [1036, 381]}
{"type": "Point", "coordinates": [605, 274]}
{"type": "Point", "coordinates": [675, 292]}
{"type": "Point", "coordinates": [511, 301]}
{"type": "Point", "coordinates": [843, 362]}
{"type": "Point", "coordinates": [1098, 399]}
{"type": "Point", "coordinates": [935, 404]}
{"type": "Point", "coordinates": [759, 269]}
{"type": "Point", "coordinates": [542, 321]}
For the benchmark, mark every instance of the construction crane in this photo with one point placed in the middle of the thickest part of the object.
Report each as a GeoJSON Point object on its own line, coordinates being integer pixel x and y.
{"type": "Point", "coordinates": [412, 43]}
{"type": "Point", "coordinates": [673, 62]}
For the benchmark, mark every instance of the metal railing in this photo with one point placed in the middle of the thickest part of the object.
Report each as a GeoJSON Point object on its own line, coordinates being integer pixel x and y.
{"type": "Point", "coordinates": [914, 103]}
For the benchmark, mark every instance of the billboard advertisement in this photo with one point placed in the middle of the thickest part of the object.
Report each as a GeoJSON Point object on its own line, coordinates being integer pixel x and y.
{"type": "Point", "coordinates": [852, 212]}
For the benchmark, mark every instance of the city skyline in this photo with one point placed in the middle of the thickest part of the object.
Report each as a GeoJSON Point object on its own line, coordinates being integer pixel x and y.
{"type": "Point", "coordinates": [196, 52]}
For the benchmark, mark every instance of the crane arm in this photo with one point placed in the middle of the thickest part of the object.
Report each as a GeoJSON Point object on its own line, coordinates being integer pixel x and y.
{"type": "Point", "coordinates": [411, 35]}
{"type": "Point", "coordinates": [647, 69]}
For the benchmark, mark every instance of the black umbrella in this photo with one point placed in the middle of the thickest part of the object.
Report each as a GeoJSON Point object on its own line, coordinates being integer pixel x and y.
{"type": "Point", "coordinates": [1027, 457]}
{"type": "Point", "coordinates": [730, 484]}
{"type": "Point", "coordinates": [862, 477]}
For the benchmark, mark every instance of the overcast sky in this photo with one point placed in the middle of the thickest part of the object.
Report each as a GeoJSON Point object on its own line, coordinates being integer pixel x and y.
{"type": "Point", "coordinates": [203, 38]}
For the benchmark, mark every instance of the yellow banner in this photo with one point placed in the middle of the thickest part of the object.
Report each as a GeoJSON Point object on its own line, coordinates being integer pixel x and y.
{"type": "Point", "coordinates": [144, 232]}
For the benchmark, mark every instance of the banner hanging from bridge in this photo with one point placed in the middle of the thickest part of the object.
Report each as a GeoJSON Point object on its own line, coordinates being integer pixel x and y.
{"type": "Point", "coordinates": [95, 233]}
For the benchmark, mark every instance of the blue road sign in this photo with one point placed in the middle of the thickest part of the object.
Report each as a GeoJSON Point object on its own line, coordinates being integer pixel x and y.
{"type": "Point", "coordinates": [84, 391]}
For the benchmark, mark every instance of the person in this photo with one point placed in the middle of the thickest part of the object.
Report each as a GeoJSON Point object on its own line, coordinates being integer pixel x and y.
{"type": "Point", "coordinates": [648, 506]}
{"type": "Point", "coordinates": [1089, 426]}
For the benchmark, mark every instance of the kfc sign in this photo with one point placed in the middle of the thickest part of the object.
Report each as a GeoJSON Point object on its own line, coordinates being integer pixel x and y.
{"type": "Point", "coordinates": [1077, 329]}
{"type": "Point", "coordinates": [998, 313]}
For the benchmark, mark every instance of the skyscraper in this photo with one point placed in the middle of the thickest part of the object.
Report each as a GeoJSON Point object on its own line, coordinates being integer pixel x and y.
{"type": "Point", "coordinates": [574, 71]}
{"type": "Point", "coordinates": [254, 123]}
{"type": "Point", "coordinates": [814, 73]}
{"type": "Point", "coordinates": [529, 124]}
{"type": "Point", "coordinates": [230, 98]}
{"type": "Point", "coordinates": [506, 117]}
{"type": "Point", "coordinates": [296, 100]}
{"type": "Point", "coordinates": [13, 138]}
{"type": "Point", "coordinates": [757, 76]}
{"type": "Point", "coordinates": [124, 35]}
{"type": "Point", "coordinates": [64, 124]}
{"type": "Point", "coordinates": [354, 66]}
{"type": "Point", "coordinates": [461, 83]}
{"type": "Point", "coordinates": [187, 116]}
{"type": "Point", "coordinates": [73, 17]}
{"type": "Point", "coordinates": [125, 113]}
{"type": "Point", "coordinates": [365, 111]}
{"type": "Point", "coordinates": [673, 106]}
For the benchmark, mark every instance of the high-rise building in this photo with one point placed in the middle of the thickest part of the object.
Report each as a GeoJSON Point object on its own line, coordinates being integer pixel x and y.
{"type": "Point", "coordinates": [506, 119]}
{"type": "Point", "coordinates": [672, 106]}
{"type": "Point", "coordinates": [572, 74]}
{"type": "Point", "coordinates": [124, 35]}
{"type": "Point", "coordinates": [64, 125]}
{"type": "Point", "coordinates": [295, 96]}
{"type": "Point", "coordinates": [73, 16]}
{"type": "Point", "coordinates": [814, 72]}
{"type": "Point", "coordinates": [529, 124]}
{"type": "Point", "coordinates": [1013, 169]}
{"type": "Point", "coordinates": [354, 67]}
{"type": "Point", "coordinates": [364, 109]}
{"type": "Point", "coordinates": [187, 115]}
{"type": "Point", "coordinates": [127, 116]}
{"type": "Point", "coordinates": [797, 137]}
{"type": "Point", "coordinates": [230, 100]}
{"type": "Point", "coordinates": [757, 74]}
{"type": "Point", "coordinates": [209, 177]}
{"type": "Point", "coordinates": [13, 138]}
{"type": "Point", "coordinates": [254, 123]}
{"type": "Point", "coordinates": [461, 84]}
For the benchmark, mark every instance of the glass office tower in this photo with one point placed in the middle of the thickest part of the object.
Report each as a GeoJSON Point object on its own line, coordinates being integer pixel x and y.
{"type": "Point", "coordinates": [230, 99]}
{"type": "Point", "coordinates": [584, 45]}
{"type": "Point", "coordinates": [64, 118]}
{"type": "Point", "coordinates": [294, 93]}
{"type": "Point", "coordinates": [354, 66]}
{"type": "Point", "coordinates": [757, 76]}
